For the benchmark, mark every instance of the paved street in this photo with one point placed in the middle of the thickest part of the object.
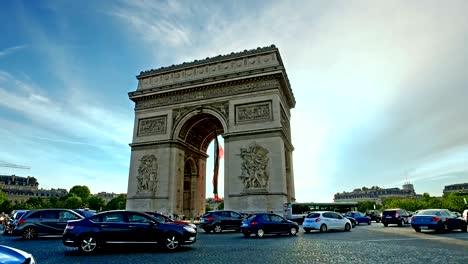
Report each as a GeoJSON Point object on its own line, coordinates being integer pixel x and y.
{"type": "Point", "coordinates": [364, 244]}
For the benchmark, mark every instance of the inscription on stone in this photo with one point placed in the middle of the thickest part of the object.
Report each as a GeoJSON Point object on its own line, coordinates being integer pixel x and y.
{"type": "Point", "coordinates": [152, 126]}
{"type": "Point", "coordinates": [254, 167]}
{"type": "Point", "coordinates": [256, 112]}
{"type": "Point", "coordinates": [147, 178]}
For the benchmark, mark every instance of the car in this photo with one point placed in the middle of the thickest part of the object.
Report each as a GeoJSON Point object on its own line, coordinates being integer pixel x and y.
{"type": "Point", "coordinates": [326, 220]}
{"type": "Point", "coordinates": [352, 220]}
{"type": "Point", "coordinates": [437, 219]}
{"type": "Point", "coordinates": [217, 221]}
{"type": "Point", "coordinates": [44, 222]}
{"type": "Point", "coordinates": [10, 255]}
{"type": "Point", "coordinates": [395, 216]}
{"type": "Point", "coordinates": [86, 212]}
{"type": "Point", "coordinates": [359, 217]}
{"type": "Point", "coordinates": [166, 219]}
{"type": "Point", "coordinates": [268, 223]}
{"type": "Point", "coordinates": [12, 220]}
{"type": "Point", "coordinates": [2, 218]}
{"type": "Point", "coordinates": [375, 215]}
{"type": "Point", "coordinates": [125, 227]}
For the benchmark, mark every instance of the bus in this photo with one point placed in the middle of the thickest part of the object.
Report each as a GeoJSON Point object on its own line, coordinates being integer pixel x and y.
{"type": "Point", "coordinates": [298, 211]}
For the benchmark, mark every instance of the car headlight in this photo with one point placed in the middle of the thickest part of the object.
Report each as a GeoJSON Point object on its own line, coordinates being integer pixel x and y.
{"type": "Point", "coordinates": [192, 226]}
{"type": "Point", "coordinates": [189, 229]}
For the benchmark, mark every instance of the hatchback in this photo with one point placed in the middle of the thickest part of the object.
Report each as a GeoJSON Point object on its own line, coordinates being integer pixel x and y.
{"type": "Point", "coordinates": [325, 221]}
{"type": "Point", "coordinates": [395, 216]}
{"type": "Point", "coordinates": [268, 223]}
{"type": "Point", "coordinates": [44, 222]}
{"type": "Point", "coordinates": [125, 227]}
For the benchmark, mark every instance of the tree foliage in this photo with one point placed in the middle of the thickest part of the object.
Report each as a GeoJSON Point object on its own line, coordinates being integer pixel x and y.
{"type": "Point", "coordinates": [453, 201]}
{"type": "Point", "coordinates": [117, 203]}
{"type": "Point", "coordinates": [96, 203]}
{"type": "Point", "coordinates": [81, 191]}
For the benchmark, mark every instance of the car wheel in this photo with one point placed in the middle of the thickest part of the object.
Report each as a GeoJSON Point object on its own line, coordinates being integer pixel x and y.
{"type": "Point", "coordinates": [171, 242]}
{"type": "Point", "coordinates": [293, 231]}
{"type": "Point", "coordinates": [357, 222]}
{"type": "Point", "coordinates": [417, 229]}
{"type": "Point", "coordinates": [246, 234]}
{"type": "Point", "coordinates": [401, 222]}
{"type": "Point", "coordinates": [464, 228]}
{"type": "Point", "coordinates": [217, 228]}
{"type": "Point", "coordinates": [307, 230]}
{"type": "Point", "coordinates": [385, 224]}
{"type": "Point", "coordinates": [323, 228]}
{"type": "Point", "coordinates": [88, 244]}
{"type": "Point", "coordinates": [369, 222]}
{"type": "Point", "coordinates": [29, 233]}
{"type": "Point", "coordinates": [347, 227]}
{"type": "Point", "coordinates": [353, 224]}
{"type": "Point", "coordinates": [260, 233]}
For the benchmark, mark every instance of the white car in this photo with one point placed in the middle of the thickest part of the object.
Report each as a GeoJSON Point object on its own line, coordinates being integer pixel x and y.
{"type": "Point", "coordinates": [326, 220]}
{"type": "Point", "coordinates": [465, 215]}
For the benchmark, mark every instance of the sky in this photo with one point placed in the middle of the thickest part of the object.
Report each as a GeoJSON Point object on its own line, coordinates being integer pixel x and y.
{"type": "Point", "coordinates": [380, 86]}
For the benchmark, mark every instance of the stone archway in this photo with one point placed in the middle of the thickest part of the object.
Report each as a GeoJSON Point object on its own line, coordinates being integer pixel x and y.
{"type": "Point", "coordinates": [246, 98]}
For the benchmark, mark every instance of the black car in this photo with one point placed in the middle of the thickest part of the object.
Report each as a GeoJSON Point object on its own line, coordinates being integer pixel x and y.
{"type": "Point", "coordinates": [268, 223]}
{"type": "Point", "coordinates": [44, 222]}
{"type": "Point", "coordinates": [122, 226]}
{"type": "Point", "coordinates": [352, 220]}
{"type": "Point", "coordinates": [375, 215]}
{"type": "Point", "coordinates": [395, 216]}
{"type": "Point", "coordinates": [218, 221]}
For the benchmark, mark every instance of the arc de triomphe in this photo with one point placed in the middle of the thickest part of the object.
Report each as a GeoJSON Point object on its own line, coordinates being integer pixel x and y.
{"type": "Point", "coordinates": [245, 97]}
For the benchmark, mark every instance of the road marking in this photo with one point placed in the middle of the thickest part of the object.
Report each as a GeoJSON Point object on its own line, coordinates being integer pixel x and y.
{"type": "Point", "coordinates": [403, 239]}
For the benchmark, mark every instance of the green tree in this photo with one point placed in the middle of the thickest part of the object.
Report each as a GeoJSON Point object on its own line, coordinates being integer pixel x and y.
{"type": "Point", "coordinates": [73, 202]}
{"type": "Point", "coordinates": [81, 191]}
{"type": "Point", "coordinates": [96, 203]}
{"type": "Point", "coordinates": [221, 205]}
{"type": "Point", "coordinates": [117, 203]}
{"type": "Point", "coordinates": [364, 206]}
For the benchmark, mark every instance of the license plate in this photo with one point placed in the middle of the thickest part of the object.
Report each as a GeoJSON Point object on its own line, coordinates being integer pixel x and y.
{"type": "Point", "coordinates": [388, 216]}
{"type": "Point", "coordinates": [202, 221]}
{"type": "Point", "coordinates": [423, 227]}
{"type": "Point", "coordinates": [244, 225]}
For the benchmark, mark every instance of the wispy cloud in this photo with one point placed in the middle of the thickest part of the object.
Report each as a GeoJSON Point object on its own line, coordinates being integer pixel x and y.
{"type": "Point", "coordinates": [11, 50]}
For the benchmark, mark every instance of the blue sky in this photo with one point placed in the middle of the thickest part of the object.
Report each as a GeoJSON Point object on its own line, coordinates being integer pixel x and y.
{"type": "Point", "coordinates": [380, 87]}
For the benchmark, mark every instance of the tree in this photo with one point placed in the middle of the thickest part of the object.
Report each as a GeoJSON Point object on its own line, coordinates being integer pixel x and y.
{"type": "Point", "coordinates": [364, 206]}
{"type": "Point", "coordinates": [118, 202]}
{"type": "Point", "coordinates": [81, 191]}
{"type": "Point", "coordinates": [73, 202]}
{"type": "Point", "coordinates": [221, 205]}
{"type": "Point", "coordinates": [96, 203]}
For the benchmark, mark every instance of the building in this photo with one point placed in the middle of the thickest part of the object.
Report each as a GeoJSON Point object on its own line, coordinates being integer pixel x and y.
{"type": "Point", "coordinates": [459, 187]}
{"type": "Point", "coordinates": [19, 188]}
{"type": "Point", "coordinates": [107, 196]}
{"type": "Point", "coordinates": [376, 194]}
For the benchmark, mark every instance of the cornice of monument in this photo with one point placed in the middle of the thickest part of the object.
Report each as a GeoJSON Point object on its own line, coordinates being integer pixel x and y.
{"type": "Point", "coordinates": [260, 61]}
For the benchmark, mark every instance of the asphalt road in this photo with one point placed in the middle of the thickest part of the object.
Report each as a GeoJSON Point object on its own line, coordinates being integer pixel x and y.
{"type": "Point", "coordinates": [364, 244]}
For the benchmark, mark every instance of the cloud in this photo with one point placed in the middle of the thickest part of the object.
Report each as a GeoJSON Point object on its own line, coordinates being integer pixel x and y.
{"type": "Point", "coordinates": [10, 50]}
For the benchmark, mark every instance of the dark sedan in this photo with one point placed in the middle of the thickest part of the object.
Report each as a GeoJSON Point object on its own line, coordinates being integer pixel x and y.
{"type": "Point", "coordinates": [122, 226]}
{"type": "Point", "coordinates": [437, 219]}
{"type": "Point", "coordinates": [268, 223]}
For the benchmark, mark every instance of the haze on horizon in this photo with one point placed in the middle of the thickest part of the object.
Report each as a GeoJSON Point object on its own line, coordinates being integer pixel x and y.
{"type": "Point", "coordinates": [381, 87]}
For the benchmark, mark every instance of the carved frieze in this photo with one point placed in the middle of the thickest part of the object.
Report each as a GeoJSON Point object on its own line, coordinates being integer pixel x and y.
{"type": "Point", "coordinates": [254, 167]}
{"type": "Point", "coordinates": [222, 108]}
{"type": "Point", "coordinates": [214, 92]}
{"type": "Point", "coordinates": [152, 126]}
{"type": "Point", "coordinates": [285, 124]}
{"type": "Point", "coordinates": [147, 178]}
{"type": "Point", "coordinates": [207, 71]}
{"type": "Point", "coordinates": [254, 112]}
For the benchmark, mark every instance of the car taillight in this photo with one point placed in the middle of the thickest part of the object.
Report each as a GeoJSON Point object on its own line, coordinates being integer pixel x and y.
{"type": "Point", "coordinates": [21, 221]}
{"type": "Point", "coordinates": [412, 219]}
{"type": "Point", "coordinates": [253, 223]}
{"type": "Point", "coordinates": [435, 219]}
{"type": "Point", "coordinates": [396, 214]}
{"type": "Point", "coordinates": [209, 218]}
{"type": "Point", "coordinates": [69, 227]}
{"type": "Point", "coordinates": [317, 220]}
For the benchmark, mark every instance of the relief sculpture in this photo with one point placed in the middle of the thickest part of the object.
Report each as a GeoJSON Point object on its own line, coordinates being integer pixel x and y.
{"type": "Point", "coordinates": [152, 126]}
{"type": "Point", "coordinates": [254, 167]}
{"type": "Point", "coordinates": [147, 175]}
{"type": "Point", "coordinates": [257, 112]}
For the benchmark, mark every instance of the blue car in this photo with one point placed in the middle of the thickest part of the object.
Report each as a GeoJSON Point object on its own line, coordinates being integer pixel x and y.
{"type": "Point", "coordinates": [9, 255]}
{"type": "Point", "coordinates": [437, 219]}
{"type": "Point", "coordinates": [359, 217]}
{"type": "Point", "coordinates": [268, 223]}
